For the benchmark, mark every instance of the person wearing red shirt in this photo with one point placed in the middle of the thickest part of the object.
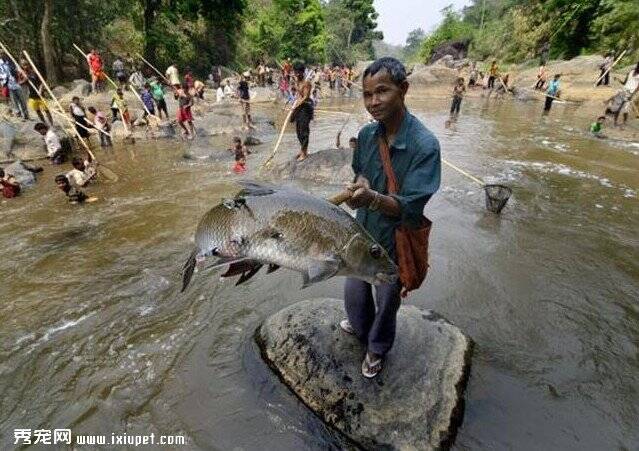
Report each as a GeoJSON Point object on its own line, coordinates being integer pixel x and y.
{"type": "Point", "coordinates": [96, 66]}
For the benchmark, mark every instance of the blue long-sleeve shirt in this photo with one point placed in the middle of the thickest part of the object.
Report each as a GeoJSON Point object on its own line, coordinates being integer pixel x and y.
{"type": "Point", "coordinates": [416, 161]}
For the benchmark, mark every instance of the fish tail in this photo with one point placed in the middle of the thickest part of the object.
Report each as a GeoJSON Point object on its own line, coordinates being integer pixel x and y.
{"type": "Point", "coordinates": [188, 269]}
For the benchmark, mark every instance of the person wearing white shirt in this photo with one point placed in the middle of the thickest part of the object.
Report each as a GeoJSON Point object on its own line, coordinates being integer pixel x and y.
{"type": "Point", "coordinates": [219, 94]}
{"type": "Point", "coordinates": [52, 142]}
{"type": "Point", "coordinates": [172, 75]}
{"type": "Point", "coordinates": [81, 174]}
{"type": "Point", "coordinates": [228, 92]}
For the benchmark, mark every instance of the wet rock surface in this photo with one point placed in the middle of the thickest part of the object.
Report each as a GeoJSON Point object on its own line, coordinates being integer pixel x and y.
{"type": "Point", "coordinates": [24, 176]}
{"type": "Point", "coordinates": [416, 402]}
{"type": "Point", "coordinates": [328, 165]}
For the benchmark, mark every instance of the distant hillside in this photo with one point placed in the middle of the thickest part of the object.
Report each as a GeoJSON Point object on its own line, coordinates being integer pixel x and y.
{"type": "Point", "coordinates": [385, 49]}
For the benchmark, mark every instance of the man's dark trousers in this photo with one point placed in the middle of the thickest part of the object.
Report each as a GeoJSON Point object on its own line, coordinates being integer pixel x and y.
{"type": "Point", "coordinates": [374, 327]}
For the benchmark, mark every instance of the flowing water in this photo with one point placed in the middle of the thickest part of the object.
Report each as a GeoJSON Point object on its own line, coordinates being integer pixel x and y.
{"type": "Point", "coordinates": [96, 337]}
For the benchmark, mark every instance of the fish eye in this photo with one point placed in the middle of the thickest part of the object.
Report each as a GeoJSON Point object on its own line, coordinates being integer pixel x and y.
{"type": "Point", "coordinates": [376, 251]}
{"type": "Point", "coordinates": [212, 252]}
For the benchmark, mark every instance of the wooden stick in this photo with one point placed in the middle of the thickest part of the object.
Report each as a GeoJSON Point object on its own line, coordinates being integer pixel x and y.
{"type": "Point", "coordinates": [340, 198]}
{"type": "Point", "coordinates": [142, 102]}
{"type": "Point", "coordinates": [464, 173]}
{"type": "Point", "coordinates": [332, 112]}
{"type": "Point", "coordinates": [37, 91]}
{"type": "Point", "coordinates": [153, 67]}
{"type": "Point", "coordinates": [46, 86]}
{"type": "Point", "coordinates": [608, 70]}
{"type": "Point", "coordinates": [82, 126]}
{"type": "Point", "coordinates": [279, 140]}
{"type": "Point", "coordinates": [126, 127]}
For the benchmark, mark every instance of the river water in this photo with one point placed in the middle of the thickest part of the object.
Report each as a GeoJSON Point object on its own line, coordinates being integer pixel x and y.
{"type": "Point", "coordinates": [96, 337]}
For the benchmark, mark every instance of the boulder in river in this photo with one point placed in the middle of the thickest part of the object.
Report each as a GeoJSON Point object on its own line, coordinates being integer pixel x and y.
{"type": "Point", "coordinates": [7, 136]}
{"type": "Point", "coordinates": [416, 402]}
{"type": "Point", "coordinates": [328, 165]}
{"type": "Point", "coordinates": [423, 75]}
{"type": "Point", "coordinates": [60, 91]}
{"type": "Point", "coordinates": [25, 177]}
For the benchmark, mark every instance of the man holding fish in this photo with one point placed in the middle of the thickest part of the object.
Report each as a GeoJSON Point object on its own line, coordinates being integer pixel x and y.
{"type": "Point", "coordinates": [414, 156]}
{"type": "Point", "coordinates": [397, 167]}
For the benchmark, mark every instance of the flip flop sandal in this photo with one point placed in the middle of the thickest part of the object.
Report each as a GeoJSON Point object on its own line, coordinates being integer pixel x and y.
{"type": "Point", "coordinates": [371, 369]}
{"type": "Point", "coordinates": [347, 327]}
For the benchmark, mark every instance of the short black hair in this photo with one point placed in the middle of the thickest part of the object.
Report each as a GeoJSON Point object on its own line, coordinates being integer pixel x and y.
{"type": "Point", "coordinates": [237, 139]}
{"type": "Point", "coordinates": [299, 66]}
{"type": "Point", "coordinates": [1, 172]}
{"type": "Point", "coordinates": [239, 156]}
{"type": "Point", "coordinates": [353, 139]}
{"type": "Point", "coordinates": [393, 66]}
{"type": "Point", "coordinates": [40, 126]}
{"type": "Point", "coordinates": [76, 160]}
{"type": "Point", "coordinates": [61, 178]}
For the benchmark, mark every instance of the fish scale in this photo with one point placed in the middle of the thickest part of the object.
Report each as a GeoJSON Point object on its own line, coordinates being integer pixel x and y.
{"type": "Point", "coordinates": [292, 229]}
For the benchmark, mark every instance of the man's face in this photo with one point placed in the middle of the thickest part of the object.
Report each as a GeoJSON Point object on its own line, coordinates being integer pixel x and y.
{"type": "Point", "coordinates": [382, 97]}
{"type": "Point", "coordinates": [61, 185]}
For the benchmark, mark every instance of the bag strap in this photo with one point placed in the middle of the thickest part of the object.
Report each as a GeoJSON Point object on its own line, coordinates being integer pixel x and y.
{"type": "Point", "coordinates": [384, 153]}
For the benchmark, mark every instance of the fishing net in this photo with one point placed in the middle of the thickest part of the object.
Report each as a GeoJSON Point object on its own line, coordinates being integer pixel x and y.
{"type": "Point", "coordinates": [496, 197]}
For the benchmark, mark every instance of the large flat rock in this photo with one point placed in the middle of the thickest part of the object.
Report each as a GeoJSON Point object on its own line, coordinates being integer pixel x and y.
{"type": "Point", "coordinates": [328, 165]}
{"type": "Point", "coordinates": [416, 402]}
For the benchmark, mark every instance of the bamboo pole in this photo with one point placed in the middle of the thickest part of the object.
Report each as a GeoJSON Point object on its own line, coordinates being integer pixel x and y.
{"type": "Point", "coordinates": [82, 126]}
{"type": "Point", "coordinates": [464, 173]}
{"type": "Point", "coordinates": [153, 67]}
{"type": "Point", "coordinates": [37, 91]}
{"type": "Point", "coordinates": [610, 68]}
{"type": "Point", "coordinates": [126, 127]}
{"type": "Point", "coordinates": [46, 86]}
{"type": "Point", "coordinates": [145, 108]}
{"type": "Point", "coordinates": [279, 140]}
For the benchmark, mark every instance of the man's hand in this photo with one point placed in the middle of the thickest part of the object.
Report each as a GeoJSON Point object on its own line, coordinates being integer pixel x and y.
{"type": "Point", "coordinates": [362, 196]}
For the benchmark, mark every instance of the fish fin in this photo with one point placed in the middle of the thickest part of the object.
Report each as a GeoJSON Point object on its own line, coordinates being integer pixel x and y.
{"type": "Point", "coordinates": [321, 270]}
{"type": "Point", "coordinates": [253, 189]}
{"type": "Point", "coordinates": [237, 268]}
{"type": "Point", "coordinates": [188, 269]}
{"type": "Point", "coordinates": [225, 261]}
{"type": "Point", "coordinates": [247, 275]}
{"type": "Point", "coordinates": [272, 267]}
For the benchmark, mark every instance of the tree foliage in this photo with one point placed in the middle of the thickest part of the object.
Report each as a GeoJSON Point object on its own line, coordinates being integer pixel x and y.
{"type": "Point", "coordinates": [516, 30]}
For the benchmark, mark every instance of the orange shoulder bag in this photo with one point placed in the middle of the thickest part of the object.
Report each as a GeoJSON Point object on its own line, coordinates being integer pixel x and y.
{"type": "Point", "coordinates": [411, 244]}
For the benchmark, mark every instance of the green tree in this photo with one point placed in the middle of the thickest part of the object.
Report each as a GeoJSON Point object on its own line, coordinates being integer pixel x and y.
{"type": "Point", "coordinates": [451, 28]}
{"type": "Point", "coordinates": [414, 42]}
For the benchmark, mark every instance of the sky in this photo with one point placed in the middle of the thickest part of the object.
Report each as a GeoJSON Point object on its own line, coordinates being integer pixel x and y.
{"type": "Point", "coordinates": [398, 17]}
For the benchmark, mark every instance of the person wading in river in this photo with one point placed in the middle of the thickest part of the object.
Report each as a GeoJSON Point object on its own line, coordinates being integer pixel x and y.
{"type": "Point", "coordinates": [551, 93]}
{"type": "Point", "coordinates": [302, 111]}
{"type": "Point", "coordinates": [396, 148]}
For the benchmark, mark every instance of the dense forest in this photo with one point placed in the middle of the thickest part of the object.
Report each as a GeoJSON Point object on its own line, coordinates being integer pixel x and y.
{"type": "Point", "coordinates": [518, 30]}
{"type": "Point", "coordinates": [239, 33]}
{"type": "Point", "coordinates": [195, 33]}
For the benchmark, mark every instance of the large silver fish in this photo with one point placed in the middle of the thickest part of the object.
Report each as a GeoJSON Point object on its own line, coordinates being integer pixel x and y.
{"type": "Point", "coordinates": [285, 227]}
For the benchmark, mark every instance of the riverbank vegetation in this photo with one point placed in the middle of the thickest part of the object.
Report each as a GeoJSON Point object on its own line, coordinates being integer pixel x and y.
{"type": "Point", "coordinates": [520, 30]}
{"type": "Point", "coordinates": [239, 33]}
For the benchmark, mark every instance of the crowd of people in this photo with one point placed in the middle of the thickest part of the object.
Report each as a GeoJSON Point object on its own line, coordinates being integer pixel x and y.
{"type": "Point", "coordinates": [618, 106]}
{"type": "Point", "coordinates": [301, 88]}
